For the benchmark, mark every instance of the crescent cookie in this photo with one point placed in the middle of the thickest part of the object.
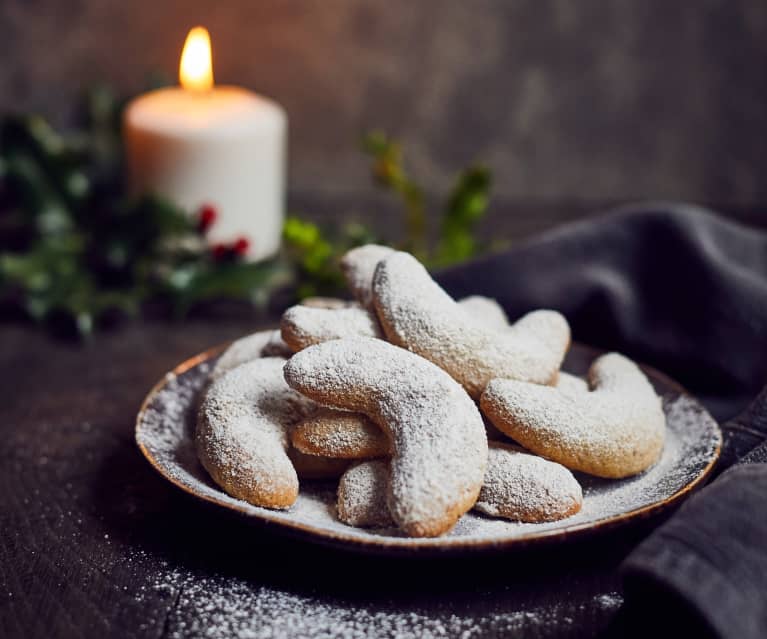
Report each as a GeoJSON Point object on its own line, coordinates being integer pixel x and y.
{"type": "Point", "coordinates": [485, 310]}
{"type": "Point", "coordinates": [326, 302]}
{"type": "Point", "coordinates": [517, 486]}
{"type": "Point", "coordinates": [243, 432]}
{"type": "Point", "coordinates": [616, 430]}
{"type": "Point", "coordinates": [340, 434]}
{"type": "Point", "coordinates": [315, 466]}
{"type": "Point", "coordinates": [439, 447]}
{"type": "Point", "coordinates": [345, 435]}
{"type": "Point", "coordinates": [418, 315]}
{"type": "Point", "coordinates": [362, 495]}
{"type": "Point", "coordinates": [260, 344]}
{"type": "Point", "coordinates": [527, 488]}
{"type": "Point", "coordinates": [302, 326]}
{"type": "Point", "coordinates": [358, 267]}
{"type": "Point", "coordinates": [569, 384]}
{"type": "Point", "coordinates": [359, 264]}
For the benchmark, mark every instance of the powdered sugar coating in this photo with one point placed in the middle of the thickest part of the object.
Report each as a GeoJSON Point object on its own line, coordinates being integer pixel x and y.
{"type": "Point", "coordinates": [437, 435]}
{"type": "Point", "coordinates": [327, 302]}
{"type": "Point", "coordinates": [517, 486]}
{"type": "Point", "coordinates": [358, 267]}
{"type": "Point", "coordinates": [260, 344]}
{"type": "Point", "coordinates": [418, 315]}
{"type": "Point", "coordinates": [571, 384]}
{"type": "Point", "coordinates": [243, 432]}
{"type": "Point", "coordinates": [303, 326]}
{"type": "Point", "coordinates": [307, 324]}
{"type": "Point", "coordinates": [525, 487]}
{"type": "Point", "coordinates": [485, 310]}
{"type": "Point", "coordinates": [362, 494]}
{"type": "Point", "coordinates": [616, 430]}
{"type": "Point", "coordinates": [340, 434]}
{"type": "Point", "coordinates": [347, 435]}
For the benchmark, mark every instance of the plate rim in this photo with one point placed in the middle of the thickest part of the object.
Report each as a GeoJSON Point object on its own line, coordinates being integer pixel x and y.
{"type": "Point", "coordinates": [436, 545]}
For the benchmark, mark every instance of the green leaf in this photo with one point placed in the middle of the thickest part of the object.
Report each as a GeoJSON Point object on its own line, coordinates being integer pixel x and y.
{"type": "Point", "coordinates": [389, 172]}
{"type": "Point", "coordinates": [466, 205]}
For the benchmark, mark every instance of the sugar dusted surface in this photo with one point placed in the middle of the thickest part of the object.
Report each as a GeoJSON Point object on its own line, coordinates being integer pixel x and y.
{"type": "Point", "coordinates": [439, 446]}
{"type": "Point", "coordinates": [165, 431]}
{"type": "Point", "coordinates": [260, 344]}
{"type": "Point", "coordinates": [526, 487]}
{"type": "Point", "coordinates": [303, 326]}
{"type": "Point", "coordinates": [616, 430]}
{"type": "Point", "coordinates": [359, 265]}
{"type": "Point", "coordinates": [362, 495]}
{"type": "Point", "coordinates": [417, 314]}
{"type": "Point", "coordinates": [485, 310]}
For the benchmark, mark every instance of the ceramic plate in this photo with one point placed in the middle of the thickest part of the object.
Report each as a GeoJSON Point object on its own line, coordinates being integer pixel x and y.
{"type": "Point", "coordinates": [165, 435]}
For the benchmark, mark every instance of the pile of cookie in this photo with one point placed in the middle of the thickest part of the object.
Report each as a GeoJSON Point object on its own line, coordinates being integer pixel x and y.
{"type": "Point", "coordinates": [423, 406]}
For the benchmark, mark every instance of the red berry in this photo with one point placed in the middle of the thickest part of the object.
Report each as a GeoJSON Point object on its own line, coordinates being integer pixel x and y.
{"type": "Point", "coordinates": [206, 217]}
{"type": "Point", "coordinates": [220, 251]}
{"type": "Point", "coordinates": [241, 246]}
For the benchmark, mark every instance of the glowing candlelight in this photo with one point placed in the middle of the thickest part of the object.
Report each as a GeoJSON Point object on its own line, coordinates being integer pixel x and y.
{"type": "Point", "coordinates": [203, 144]}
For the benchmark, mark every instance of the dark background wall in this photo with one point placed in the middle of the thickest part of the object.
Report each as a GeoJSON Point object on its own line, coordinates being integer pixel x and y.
{"type": "Point", "coordinates": [573, 104]}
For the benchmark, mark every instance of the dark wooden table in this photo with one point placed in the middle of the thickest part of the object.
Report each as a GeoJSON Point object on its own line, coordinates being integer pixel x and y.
{"type": "Point", "coordinates": [93, 543]}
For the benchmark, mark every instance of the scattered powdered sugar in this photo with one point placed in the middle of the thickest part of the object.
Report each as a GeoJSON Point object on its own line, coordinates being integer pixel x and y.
{"type": "Point", "coordinates": [222, 607]}
{"type": "Point", "coordinates": [166, 433]}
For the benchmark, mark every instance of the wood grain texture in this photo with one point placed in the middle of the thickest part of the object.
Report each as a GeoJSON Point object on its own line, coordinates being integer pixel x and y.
{"type": "Point", "coordinates": [95, 544]}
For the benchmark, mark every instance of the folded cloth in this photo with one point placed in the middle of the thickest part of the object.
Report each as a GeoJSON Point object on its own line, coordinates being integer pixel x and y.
{"type": "Point", "coordinates": [679, 288]}
{"type": "Point", "coordinates": [711, 556]}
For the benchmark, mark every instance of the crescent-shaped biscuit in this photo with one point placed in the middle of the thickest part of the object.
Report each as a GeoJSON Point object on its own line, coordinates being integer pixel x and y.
{"type": "Point", "coordinates": [362, 494]}
{"type": "Point", "coordinates": [438, 438]}
{"type": "Point", "coordinates": [316, 466]}
{"type": "Point", "coordinates": [327, 302]}
{"type": "Point", "coordinates": [528, 488]}
{"type": "Point", "coordinates": [243, 431]}
{"type": "Point", "coordinates": [345, 435]}
{"type": "Point", "coordinates": [302, 326]}
{"type": "Point", "coordinates": [616, 430]}
{"type": "Point", "coordinates": [485, 310]}
{"type": "Point", "coordinates": [358, 267]}
{"type": "Point", "coordinates": [340, 434]}
{"type": "Point", "coordinates": [359, 264]}
{"type": "Point", "coordinates": [516, 486]}
{"type": "Point", "coordinates": [418, 315]}
{"type": "Point", "coordinates": [259, 344]}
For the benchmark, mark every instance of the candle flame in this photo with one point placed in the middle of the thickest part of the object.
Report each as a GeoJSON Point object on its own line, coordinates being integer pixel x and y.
{"type": "Point", "coordinates": [196, 69]}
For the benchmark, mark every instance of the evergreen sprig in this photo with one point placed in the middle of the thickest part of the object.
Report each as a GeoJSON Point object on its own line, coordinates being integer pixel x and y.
{"type": "Point", "coordinates": [77, 250]}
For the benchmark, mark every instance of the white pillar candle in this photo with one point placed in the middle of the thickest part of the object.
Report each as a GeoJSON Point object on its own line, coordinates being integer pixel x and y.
{"type": "Point", "coordinates": [199, 145]}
